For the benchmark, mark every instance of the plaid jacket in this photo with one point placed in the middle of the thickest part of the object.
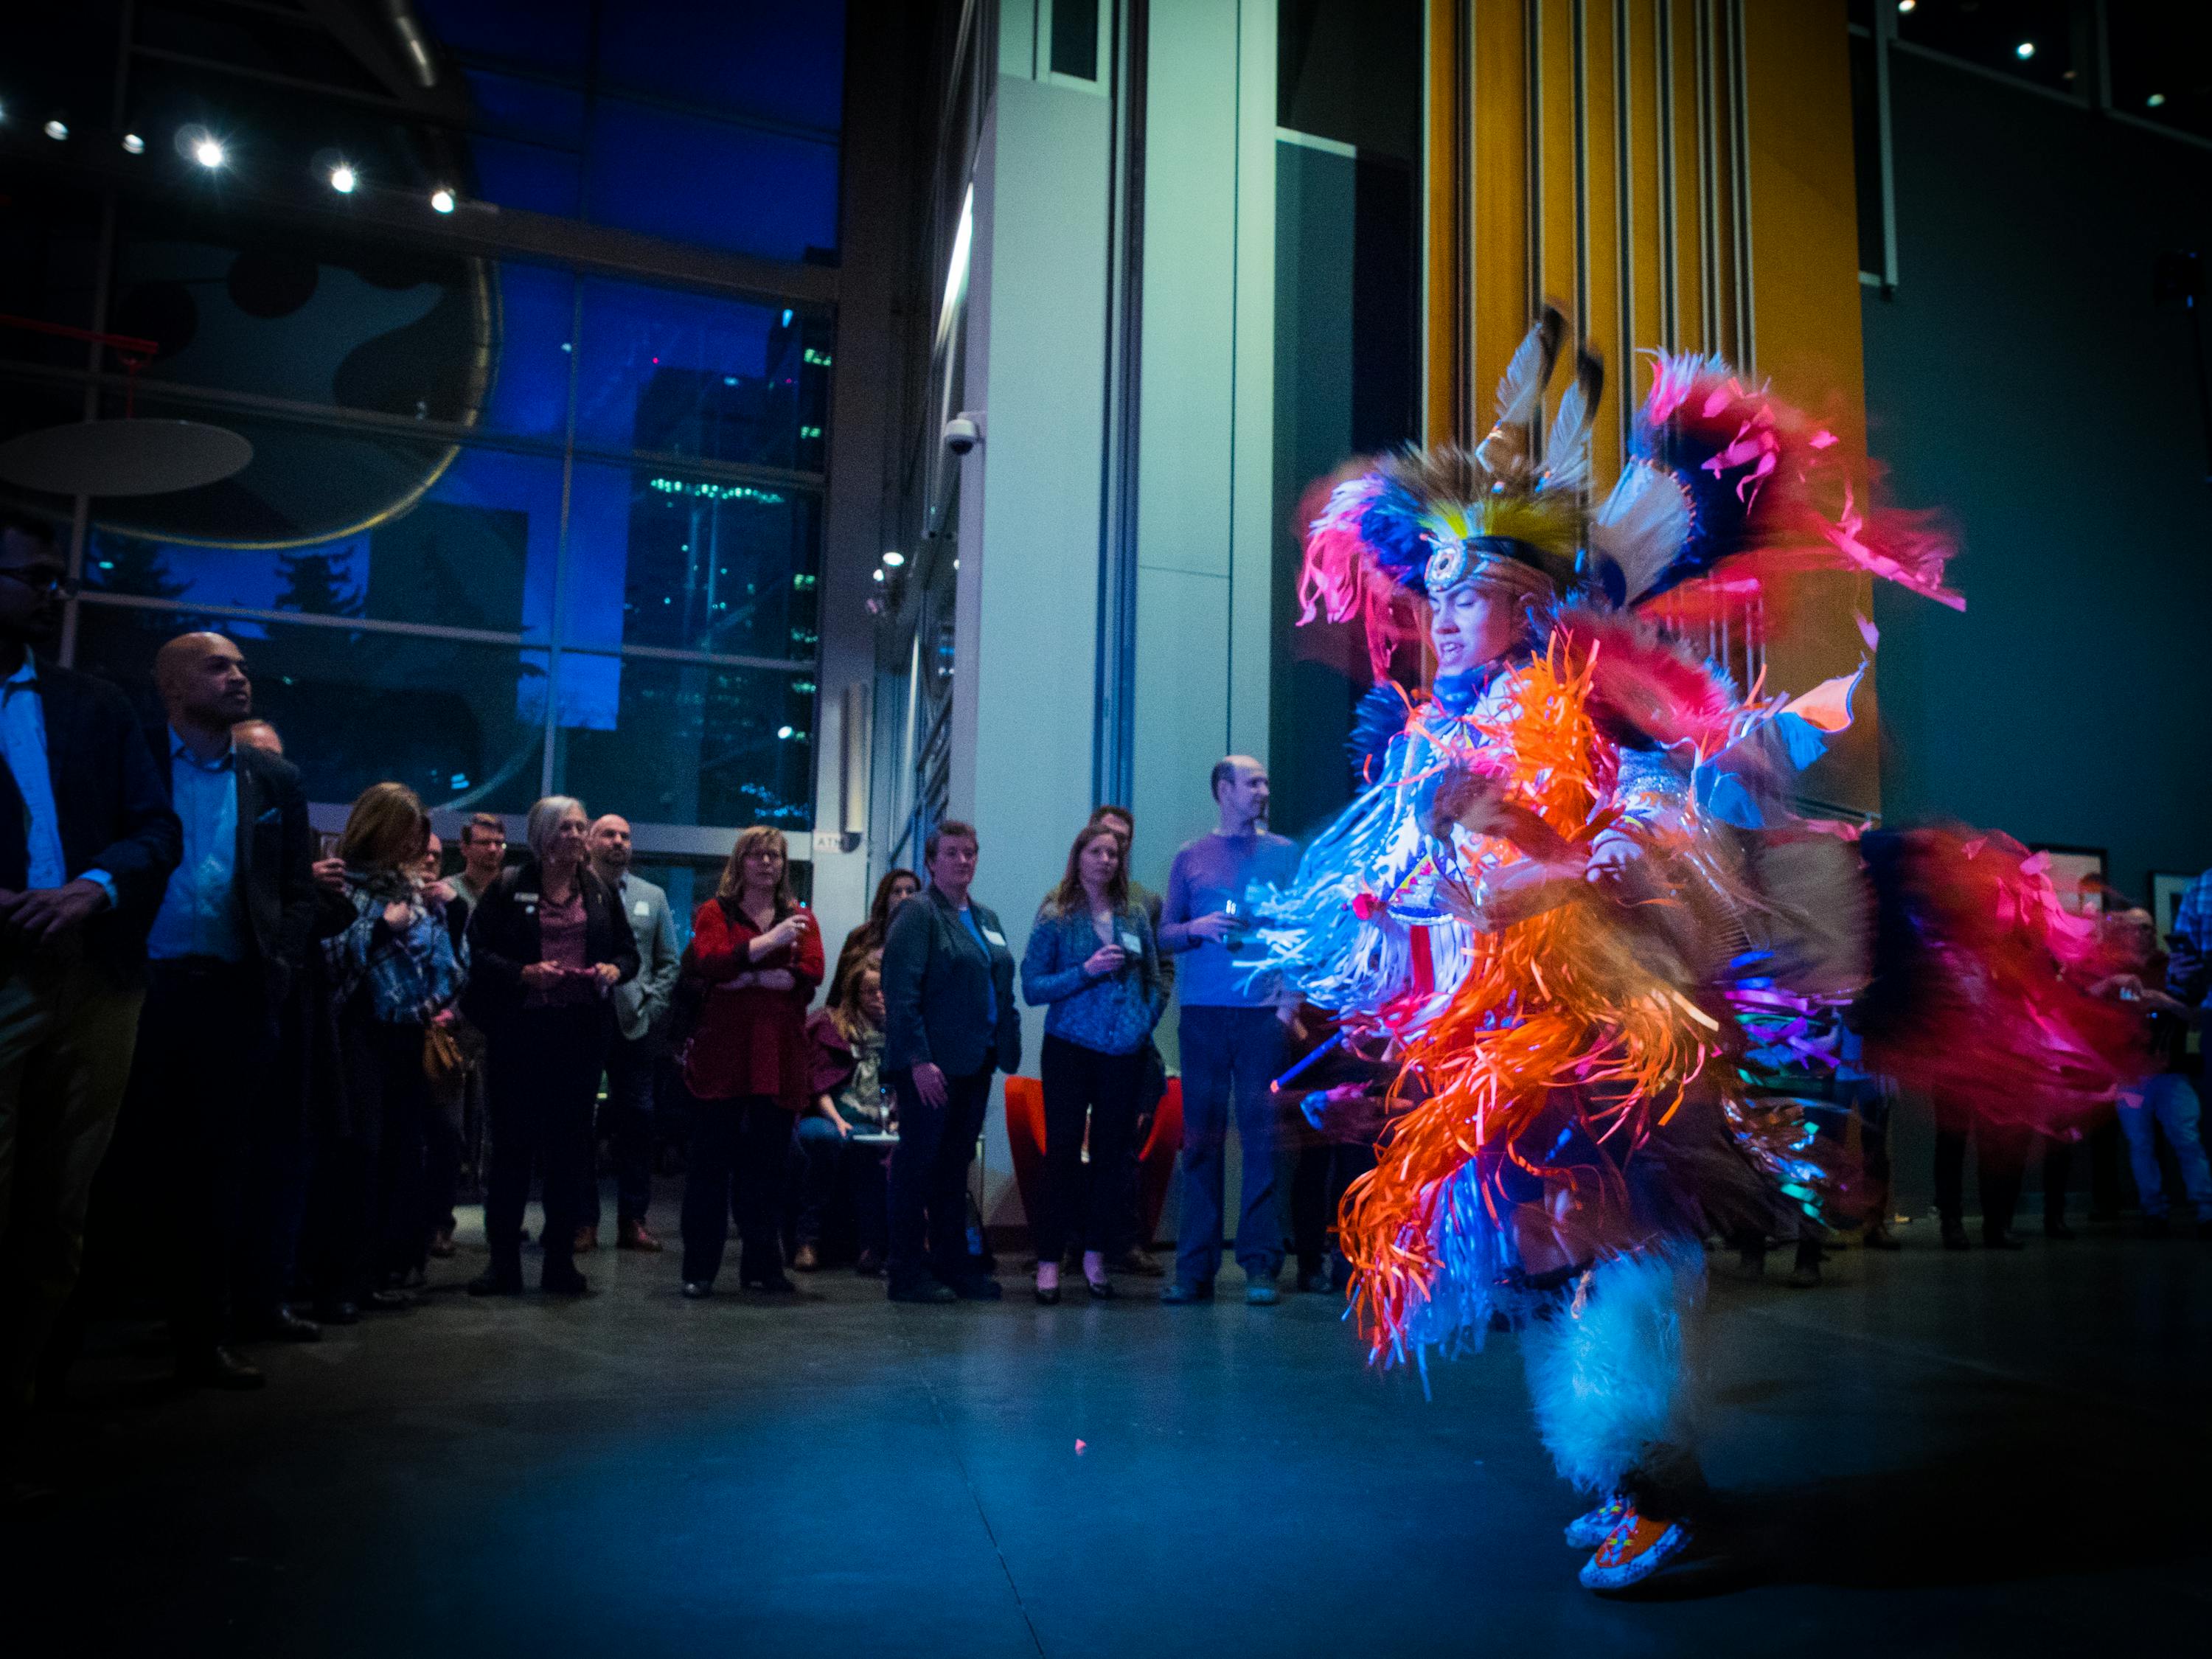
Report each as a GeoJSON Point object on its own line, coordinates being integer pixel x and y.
{"type": "Point", "coordinates": [411, 975]}
{"type": "Point", "coordinates": [2190, 947]}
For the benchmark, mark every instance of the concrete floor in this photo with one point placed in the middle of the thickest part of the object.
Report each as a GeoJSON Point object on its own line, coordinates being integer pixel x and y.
{"type": "Point", "coordinates": [1933, 1454]}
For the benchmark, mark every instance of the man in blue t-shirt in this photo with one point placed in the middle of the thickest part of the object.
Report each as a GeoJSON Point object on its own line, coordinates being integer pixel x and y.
{"type": "Point", "coordinates": [1232, 1034]}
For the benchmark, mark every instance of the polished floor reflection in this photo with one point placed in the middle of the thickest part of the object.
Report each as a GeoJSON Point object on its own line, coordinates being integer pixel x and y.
{"type": "Point", "coordinates": [1932, 1453]}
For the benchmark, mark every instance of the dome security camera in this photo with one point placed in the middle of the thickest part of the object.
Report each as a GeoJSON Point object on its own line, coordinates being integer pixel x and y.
{"type": "Point", "coordinates": [963, 432]}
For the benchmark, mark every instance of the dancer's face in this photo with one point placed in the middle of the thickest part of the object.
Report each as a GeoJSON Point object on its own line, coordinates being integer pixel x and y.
{"type": "Point", "coordinates": [1471, 624]}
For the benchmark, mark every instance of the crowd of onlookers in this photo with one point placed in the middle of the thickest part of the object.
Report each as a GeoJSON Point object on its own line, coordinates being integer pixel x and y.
{"type": "Point", "coordinates": [273, 1072]}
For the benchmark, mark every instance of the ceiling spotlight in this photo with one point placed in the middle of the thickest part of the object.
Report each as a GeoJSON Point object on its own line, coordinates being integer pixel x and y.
{"type": "Point", "coordinates": [1907, 5]}
{"type": "Point", "coordinates": [783, 731]}
{"type": "Point", "coordinates": [209, 154]}
{"type": "Point", "coordinates": [441, 200]}
{"type": "Point", "coordinates": [879, 575]}
{"type": "Point", "coordinates": [344, 179]}
{"type": "Point", "coordinates": [2155, 100]}
{"type": "Point", "coordinates": [56, 130]}
{"type": "Point", "coordinates": [133, 144]}
{"type": "Point", "coordinates": [2024, 51]}
{"type": "Point", "coordinates": [894, 559]}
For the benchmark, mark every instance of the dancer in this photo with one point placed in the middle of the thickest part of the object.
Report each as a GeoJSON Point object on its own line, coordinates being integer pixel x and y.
{"type": "Point", "coordinates": [1645, 924]}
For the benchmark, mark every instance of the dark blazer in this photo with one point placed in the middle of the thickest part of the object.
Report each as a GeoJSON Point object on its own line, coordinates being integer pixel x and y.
{"type": "Point", "coordinates": [503, 940]}
{"type": "Point", "coordinates": [114, 804]}
{"type": "Point", "coordinates": [935, 978]}
{"type": "Point", "coordinates": [273, 878]}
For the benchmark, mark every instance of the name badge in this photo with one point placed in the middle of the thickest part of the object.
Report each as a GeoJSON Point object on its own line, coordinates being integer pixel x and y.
{"type": "Point", "coordinates": [642, 908]}
{"type": "Point", "coordinates": [1132, 945]}
{"type": "Point", "coordinates": [528, 901]}
{"type": "Point", "coordinates": [998, 939]}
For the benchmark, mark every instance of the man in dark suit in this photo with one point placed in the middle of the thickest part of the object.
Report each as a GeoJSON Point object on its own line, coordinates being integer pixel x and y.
{"type": "Point", "coordinates": [86, 841]}
{"type": "Point", "coordinates": [230, 931]}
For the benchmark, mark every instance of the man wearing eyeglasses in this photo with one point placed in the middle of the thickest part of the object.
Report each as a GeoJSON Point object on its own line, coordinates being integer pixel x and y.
{"type": "Point", "coordinates": [86, 844]}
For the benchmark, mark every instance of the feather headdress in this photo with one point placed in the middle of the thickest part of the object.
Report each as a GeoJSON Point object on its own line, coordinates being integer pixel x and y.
{"type": "Point", "coordinates": [1727, 486]}
{"type": "Point", "coordinates": [1421, 521]}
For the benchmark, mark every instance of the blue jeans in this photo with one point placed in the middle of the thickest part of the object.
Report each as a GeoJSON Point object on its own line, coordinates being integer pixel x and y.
{"type": "Point", "coordinates": [1230, 1056]}
{"type": "Point", "coordinates": [2172, 1102]}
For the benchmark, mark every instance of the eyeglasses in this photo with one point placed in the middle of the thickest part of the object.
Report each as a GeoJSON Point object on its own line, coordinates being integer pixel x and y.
{"type": "Point", "coordinates": [40, 582]}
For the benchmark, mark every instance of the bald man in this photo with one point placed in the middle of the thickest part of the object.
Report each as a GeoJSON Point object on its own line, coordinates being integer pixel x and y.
{"type": "Point", "coordinates": [231, 931]}
{"type": "Point", "coordinates": [1230, 1034]}
{"type": "Point", "coordinates": [626, 1119]}
{"type": "Point", "coordinates": [258, 734]}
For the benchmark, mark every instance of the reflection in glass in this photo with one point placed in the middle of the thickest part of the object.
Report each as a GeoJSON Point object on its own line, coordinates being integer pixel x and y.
{"type": "Point", "coordinates": [477, 550]}
{"type": "Point", "coordinates": [691, 564]}
{"type": "Point", "coordinates": [685, 375]}
{"type": "Point", "coordinates": [441, 716]}
{"type": "Point", "coordinates": [691, 744]}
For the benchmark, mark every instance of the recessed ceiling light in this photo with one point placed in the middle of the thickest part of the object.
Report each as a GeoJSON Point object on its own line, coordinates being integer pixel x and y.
{"type": "Point", "coordinates": [2155, 100]}
{"type": "Point", "coordinates": [1907, 5]}
{"type": "Point", "coordinates": [209, 153]}
{"type": "Point", "coordinates": [133, 144]}
{"type": "Point", "coordinates": [344, 179]}
{"type": "Point", "coordinates": [894, 559]}
{"type": "Point", "coordinates": [441, 200]}
{"type": "Point", "coordinates": [2024, 51]}
{"type": "Point", "coordinates": [58, 130]}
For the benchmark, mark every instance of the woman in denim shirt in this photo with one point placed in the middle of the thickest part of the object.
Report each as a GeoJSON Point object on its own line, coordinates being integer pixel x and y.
{"type": "Point", "coordinates": [1092, 965]}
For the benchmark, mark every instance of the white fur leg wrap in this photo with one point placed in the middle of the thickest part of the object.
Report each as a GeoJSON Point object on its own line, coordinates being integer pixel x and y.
{"type": "Point", "coordinates": [1609, 1373]}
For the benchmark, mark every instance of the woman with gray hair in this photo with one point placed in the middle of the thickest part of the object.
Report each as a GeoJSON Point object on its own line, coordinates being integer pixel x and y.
{"type": "Point", "coordinates": [547, 943]}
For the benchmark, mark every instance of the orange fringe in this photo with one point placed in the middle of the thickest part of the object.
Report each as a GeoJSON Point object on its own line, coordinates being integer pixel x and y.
{"type": "Point", "coordinates": [1567, 999]}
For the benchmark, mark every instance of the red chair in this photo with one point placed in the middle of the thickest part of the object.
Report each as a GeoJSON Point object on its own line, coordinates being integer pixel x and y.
{"type": "Point", "coordinates": [1155, 1164]}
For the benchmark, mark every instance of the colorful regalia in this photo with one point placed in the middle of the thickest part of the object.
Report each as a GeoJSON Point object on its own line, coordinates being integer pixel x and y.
{"type": "Point", "coordinates": [1580, 907]}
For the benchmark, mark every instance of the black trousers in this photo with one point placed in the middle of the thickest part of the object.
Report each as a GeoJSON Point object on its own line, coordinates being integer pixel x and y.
{"type": "Point", "coordinates": [2003, 1157]}
{"type": "Point", "coordinates": [1317, 1188]}
{"type": "Point", "coordinates": [740, 1151]}
{"type": "Point", "coordinates": [626, 1125]}
{"type": "Point", "coordinates": [541, 1076]}
{"type": "Point", "coordinates": [1082, 1086]}
{"type": "Point", "coordinates": [929, 1177]}
{"type": "Point", "coordinates": [207, 1043]}
{"type": "Point", "coordinates": [408, 1108]}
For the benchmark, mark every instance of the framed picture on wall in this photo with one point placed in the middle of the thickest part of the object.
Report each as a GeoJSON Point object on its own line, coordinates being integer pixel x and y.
{"type": "Point", "coordinates": [2078, 874]}
{"type": "Point", "coordinates": [2166, 887]}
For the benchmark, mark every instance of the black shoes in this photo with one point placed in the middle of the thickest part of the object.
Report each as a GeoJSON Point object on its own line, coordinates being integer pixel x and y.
{"type": "Point", "coordinates": [562, 1279]}
{"type": "Point", "coordinates": [2057, 1230]}
{"type": "Point", "coordinates": [1954, 1237]}
{"type": "Point", "coordinates": [1102, 1290]}
{"type": "Point", "coordinates": [337, 1310]}
{"type": "Point", "coordinates": [1048, 1296]}
{"type": "Point", "coordinates": [217, 1367]}
{"type": "Point", "coordinates": [698, 1290]}
{"type": "Point", "coordinates": [978, 1287]}
{"type": "Point", "coordinates": [492, 1282]}
{"type": "Point", "coordinates": [927, 1288]}
{"type": "Point", "coordinates": [772, 1284]}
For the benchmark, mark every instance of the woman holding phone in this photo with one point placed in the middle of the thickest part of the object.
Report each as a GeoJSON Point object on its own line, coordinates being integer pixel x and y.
{"type": "Point", "coordinates": [1092, 965]}
{"type": "Point", "coordinates": [758, 957]}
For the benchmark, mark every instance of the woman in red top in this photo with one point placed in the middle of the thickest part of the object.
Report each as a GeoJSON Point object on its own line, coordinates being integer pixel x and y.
{"type": "Point", "coordinates": [759, 957]}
